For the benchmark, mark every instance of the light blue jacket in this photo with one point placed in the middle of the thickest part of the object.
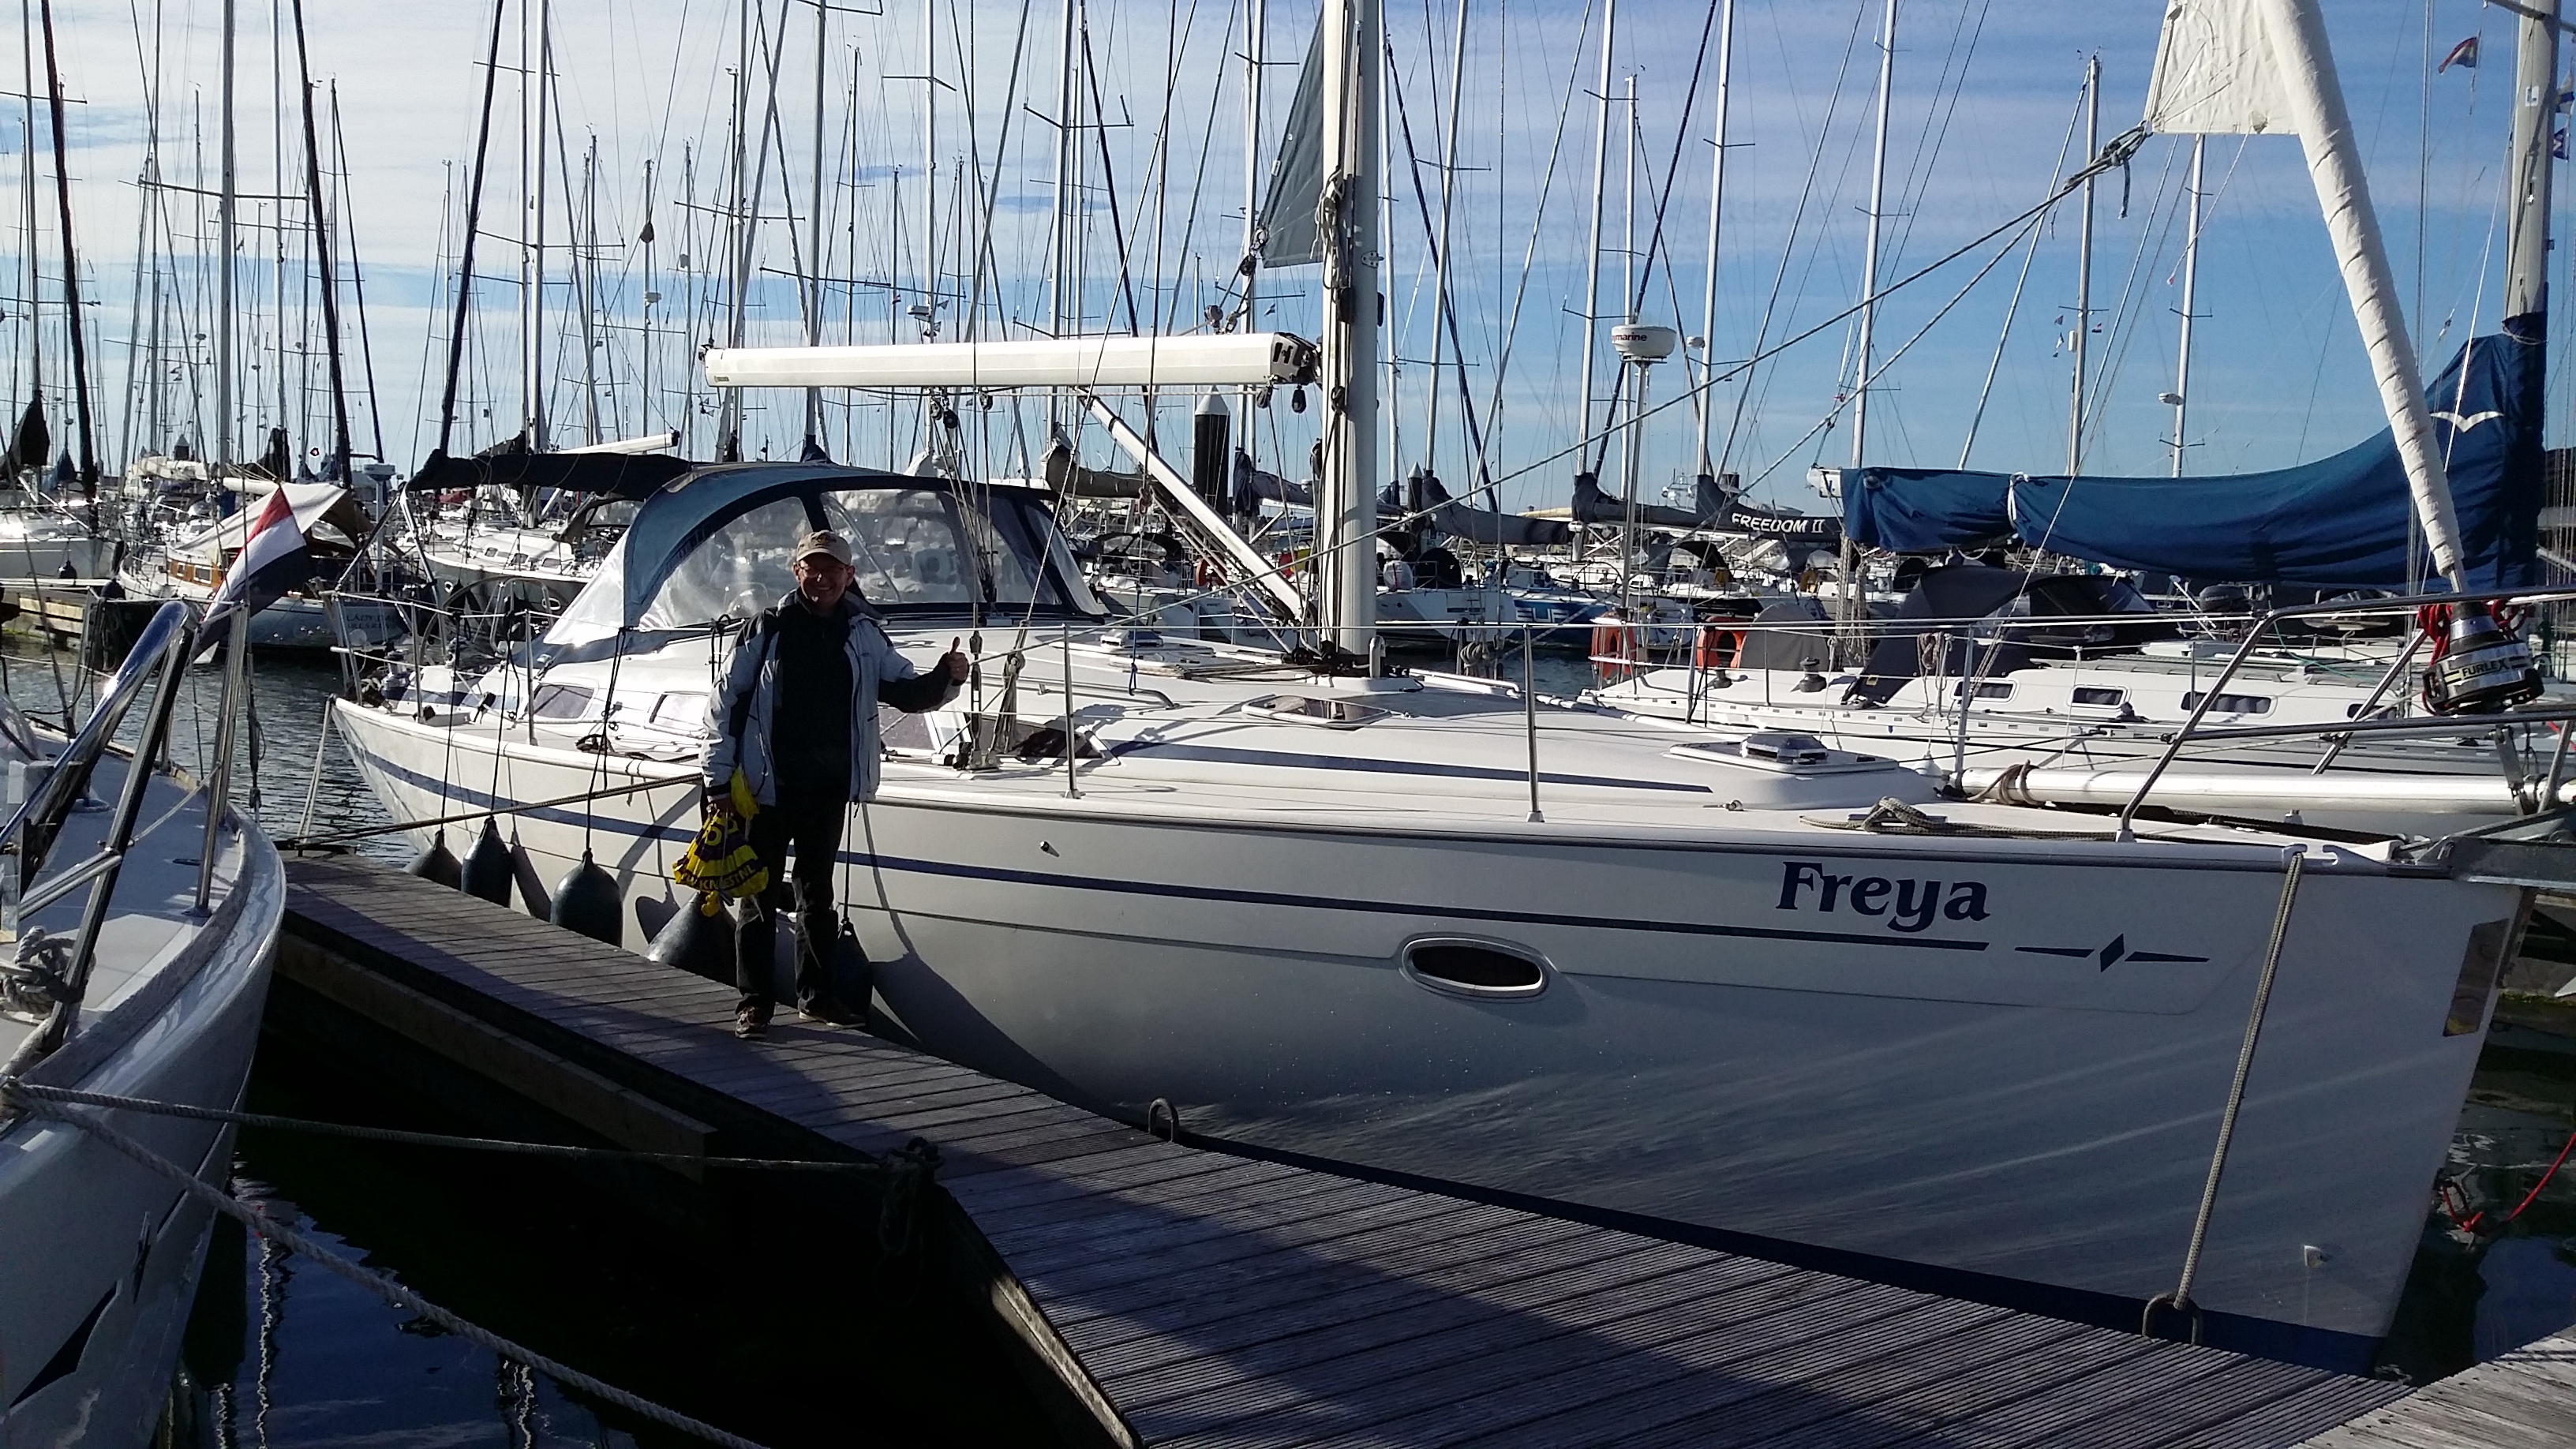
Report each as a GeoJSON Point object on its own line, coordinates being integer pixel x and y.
{"type": "Point", "coordinates": [740, 716]}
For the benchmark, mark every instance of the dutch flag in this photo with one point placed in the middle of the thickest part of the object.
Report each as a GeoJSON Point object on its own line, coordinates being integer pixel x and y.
{"type": "Point", "coordinates": [273, 557]}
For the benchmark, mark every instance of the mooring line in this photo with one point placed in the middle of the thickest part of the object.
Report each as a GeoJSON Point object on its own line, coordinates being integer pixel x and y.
{"type": "Point", "coordinates": [31, 1093]}
{"type": "Point", "coordinates": [632, 787]}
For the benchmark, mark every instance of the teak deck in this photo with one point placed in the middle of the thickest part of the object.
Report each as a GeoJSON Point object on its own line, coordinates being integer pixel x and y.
{"type": "Point", "coordinates": [1175, 1295]}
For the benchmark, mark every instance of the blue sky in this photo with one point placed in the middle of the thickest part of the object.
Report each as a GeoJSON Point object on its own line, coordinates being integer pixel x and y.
{"type": "Point", "coordinates": [1985, 94]}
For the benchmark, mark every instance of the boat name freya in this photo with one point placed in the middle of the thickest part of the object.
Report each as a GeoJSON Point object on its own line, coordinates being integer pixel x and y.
{"type": "Point", "coordinates": [1913, 909]}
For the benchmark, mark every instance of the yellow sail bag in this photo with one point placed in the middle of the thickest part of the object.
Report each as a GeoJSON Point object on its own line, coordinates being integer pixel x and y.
{"type": "Point", "coordinates": [721, 859]}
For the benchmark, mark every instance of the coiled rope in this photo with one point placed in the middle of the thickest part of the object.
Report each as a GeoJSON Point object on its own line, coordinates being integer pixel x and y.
{"type": "Point", "coordinates": [2179, 1299]}
{"type": "Point", "coordinates": [270, 1229]}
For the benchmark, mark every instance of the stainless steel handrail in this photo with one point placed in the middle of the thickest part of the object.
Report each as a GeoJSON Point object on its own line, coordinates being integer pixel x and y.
{"type": "Point", "coordinates": [2209, 694]}
{"type": "Point", "coordinates": [167, 642]}
{"type": "Point", "coordinates": [44, 809]}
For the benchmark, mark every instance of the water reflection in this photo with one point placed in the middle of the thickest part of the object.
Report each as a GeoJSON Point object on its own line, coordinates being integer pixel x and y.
{"type": "Point", "coordinates": [745, 1305]}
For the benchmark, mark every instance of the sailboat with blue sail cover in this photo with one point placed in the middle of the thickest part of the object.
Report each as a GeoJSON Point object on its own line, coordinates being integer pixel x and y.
{"type": "Point", "coordinates": [2061, 686]}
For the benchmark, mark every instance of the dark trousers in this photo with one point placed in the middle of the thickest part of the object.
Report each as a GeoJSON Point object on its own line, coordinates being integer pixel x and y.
{"type": "Point", "coordinates": [811, 822]}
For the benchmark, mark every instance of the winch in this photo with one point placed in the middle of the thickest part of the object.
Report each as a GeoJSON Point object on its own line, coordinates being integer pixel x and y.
{"type": "Point", "coordinates": [2478, 664]}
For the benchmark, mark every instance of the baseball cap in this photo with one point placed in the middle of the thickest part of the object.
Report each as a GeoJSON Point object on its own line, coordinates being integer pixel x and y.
{"type": "Point", "coordinates": [823, 541]}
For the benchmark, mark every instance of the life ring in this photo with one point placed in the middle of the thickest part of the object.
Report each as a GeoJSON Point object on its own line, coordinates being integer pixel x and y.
{"type": "Point", "coordinates": [1717, 648]}
{"type": "Point", "coordinates": [1614, 649]}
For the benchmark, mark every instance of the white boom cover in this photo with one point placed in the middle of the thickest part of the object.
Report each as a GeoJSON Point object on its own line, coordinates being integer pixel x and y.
{"type": "Point", "coordinates": [2234, 66]}
{"type": "Point", "coordinates": [1245, 359]}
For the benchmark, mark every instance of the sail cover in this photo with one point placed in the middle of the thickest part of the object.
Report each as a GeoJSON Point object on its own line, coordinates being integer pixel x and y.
{"type": "Point", "coordinates": [2338, 522]}
{"type": "Point", "coordinates": [1288, 235]}
{"type": "Point", "coordinates": [1925, 510]}
{"type": "Point", "coordinates": [2218, 72]}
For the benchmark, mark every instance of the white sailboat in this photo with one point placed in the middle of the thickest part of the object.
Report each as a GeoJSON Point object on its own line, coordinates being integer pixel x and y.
{"type": "Point", "coordinates": [149, 983]}
{"type": "Point", "coordinates": [1740, 989]}
{"type": "Point", "coordinates": [1957, 685]}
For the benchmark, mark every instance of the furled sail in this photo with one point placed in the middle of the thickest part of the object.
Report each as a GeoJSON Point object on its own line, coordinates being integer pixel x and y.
{"type": "Point", "coordinates": [2338, 522]}
{"type": "Point", "coordinates": [1288, 234]}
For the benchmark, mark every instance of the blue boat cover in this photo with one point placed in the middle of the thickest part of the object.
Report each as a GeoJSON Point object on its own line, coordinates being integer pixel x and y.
{"type": "Point", "coordinates": [2338, 522]}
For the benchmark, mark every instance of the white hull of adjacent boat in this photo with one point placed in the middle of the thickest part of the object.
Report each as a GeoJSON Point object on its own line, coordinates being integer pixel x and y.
{"type": "Point", "coordinates": [2060, 751]}
{"type": "Point", "coordinates": [298, 622]}
{"type": "Point", "coordinates": [103, 1255]}
{"type": "Point", "coordinates": [49, 560]}
{"type": "Point", "coordinates": [2003, 1057]}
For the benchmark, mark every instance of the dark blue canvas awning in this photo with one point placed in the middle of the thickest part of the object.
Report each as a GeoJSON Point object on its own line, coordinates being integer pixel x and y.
{"type": "Point", "coordinates": [2338, 522]}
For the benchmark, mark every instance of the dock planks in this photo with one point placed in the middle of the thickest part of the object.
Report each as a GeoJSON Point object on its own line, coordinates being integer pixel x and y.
{"type": "Point", "coordinates": [1180, 1296]}
{"type": "Point", "coordinates": [2524, 1400]}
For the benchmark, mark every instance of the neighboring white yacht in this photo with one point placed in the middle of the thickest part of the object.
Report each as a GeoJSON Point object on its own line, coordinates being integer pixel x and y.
{"type": "Point", "coordinates": [136, 991]}
{"type": "Point", "coordinates": [193, 565]}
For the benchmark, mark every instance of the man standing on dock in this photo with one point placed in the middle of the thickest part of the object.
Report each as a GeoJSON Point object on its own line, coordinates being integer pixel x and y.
{"type": "Point", "coordinates": [797, 717]}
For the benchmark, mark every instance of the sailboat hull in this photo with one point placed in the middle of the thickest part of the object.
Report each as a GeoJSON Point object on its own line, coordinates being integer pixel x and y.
{"type": "Point", "coordinates": [2016, 1098]}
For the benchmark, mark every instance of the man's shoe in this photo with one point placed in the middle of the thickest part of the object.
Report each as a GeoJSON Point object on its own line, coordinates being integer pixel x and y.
{"type": "Point", "coordinates": [830, 1010]}
{"type": "Point", "coordinates": [749, 1022]}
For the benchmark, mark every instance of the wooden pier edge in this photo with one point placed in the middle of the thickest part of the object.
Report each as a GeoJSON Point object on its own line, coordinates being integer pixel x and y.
{"type": "Point", "coordinates": [2525, 1399]}
{"type": "Point", "coordinates": [1132, 1283]}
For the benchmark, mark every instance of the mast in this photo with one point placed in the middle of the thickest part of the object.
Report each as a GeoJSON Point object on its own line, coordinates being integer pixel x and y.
{"type": "Point", "coordinates": [1060, 219]}
{"type": "Point", "coordinates": [2084, 266]}
{"type": "Point", "coordinates": [2535, 67]}
{"type": "Point", "coordinates": [645, 237]}
{"type": "Point", "coordinates": [930, 159]}
{"type": "Point", "coordinates": [1600, 196]}
{"type": "Point", "coordinates": [71, 259]}
{"type": "Point", "coordinates": [357, 278]}
{"type": "Point", "coordinates": [1861, 378]}
{"type": "Point", "coordinates": [27, 192]}
{"type": "Point", "coordinates": [1256, 35]}
{"type": "Point", "coordinates": [1627, 302]}
{"type": "Point", "coordinates": [1716, 203]}
{"type": "Point", "coordinates": [2190, 274]}
{"type": "Point", "coordinates": [322, 257]}
{"type": "Point", "coordinates": [1440, 257]}
{"type": "Point", "coordinates": [587, 254]}
{"type": "Point", "coordinates": [814, 229]}
{"type": "Point", "coordinates": [226, 203]}
{"type": "Point", "coordinates": [535, 32]}
{"type": "Point", "coordinates": [1849, 605]}
{"type": "Point", "coordinates": [1346, 510]}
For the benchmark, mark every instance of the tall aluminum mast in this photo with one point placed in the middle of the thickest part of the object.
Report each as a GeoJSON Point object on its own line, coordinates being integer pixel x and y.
{"type": "Point", "coordinates": [2181, 395]}
{"type": "Point", "coordinates": [2084, 267]}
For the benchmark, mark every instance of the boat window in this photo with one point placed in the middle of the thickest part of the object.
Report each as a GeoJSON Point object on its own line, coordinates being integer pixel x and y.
{"type": "Point", "coordinates": [904, 544]}
{"type": "Point", "coordinates": [560, 701]}
{"type": "Point", "coordinates": [2231, 703]}
{"type": "Point", "coordinates": [1302, 709]}
{"type": "Point", "coordinates": [1987, 689]}
{"type": "Point", "coordinates": [2106, 698]}
{"type": "Point", "coordinates": [1460, 967]}
{"type": "Point", "coordinates": [737, 573]}
{"type": "Point", "coordinates": [680, 711]}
